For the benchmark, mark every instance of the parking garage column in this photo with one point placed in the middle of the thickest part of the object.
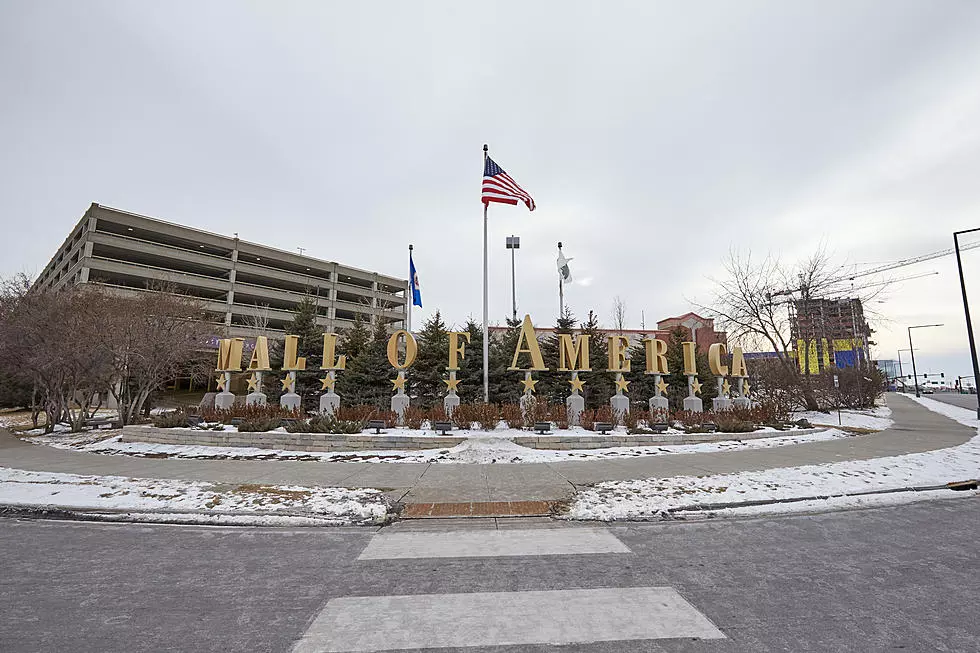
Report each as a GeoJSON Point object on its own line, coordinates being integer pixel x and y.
{"type": "Point", "coordinates": [231, 282]}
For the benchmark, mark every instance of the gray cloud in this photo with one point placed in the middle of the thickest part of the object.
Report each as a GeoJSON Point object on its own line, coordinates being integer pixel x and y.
{"type": "Point", "coordinates": [654, 137]}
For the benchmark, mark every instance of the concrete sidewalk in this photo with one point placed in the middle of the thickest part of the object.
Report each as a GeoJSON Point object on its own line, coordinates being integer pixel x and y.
{"type": "Point", "coordinates": [916, 429]}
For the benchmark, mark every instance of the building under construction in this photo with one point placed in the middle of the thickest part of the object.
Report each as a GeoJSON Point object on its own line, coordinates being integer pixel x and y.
{"type": "Point", "coordinates": [829, 333]}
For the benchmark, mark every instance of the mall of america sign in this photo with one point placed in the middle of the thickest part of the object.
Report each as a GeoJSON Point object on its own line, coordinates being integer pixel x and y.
{"type": "Point", "coordinates": [574, 357]}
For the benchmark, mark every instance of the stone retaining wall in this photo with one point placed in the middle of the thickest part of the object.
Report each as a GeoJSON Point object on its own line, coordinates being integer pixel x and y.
{"type": "Point", "coordinates": [379, 442]}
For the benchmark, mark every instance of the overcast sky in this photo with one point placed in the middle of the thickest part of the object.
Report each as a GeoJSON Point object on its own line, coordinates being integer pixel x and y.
{"type": "Point", "coordinates": [654, 136]}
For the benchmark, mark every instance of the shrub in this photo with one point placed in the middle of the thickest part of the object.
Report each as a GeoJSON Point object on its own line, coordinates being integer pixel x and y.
{"type": "Point", "coordinates": [690, 421]}
{"type": "Point", "coordinates": [605, 414]}
{"type": "Point", "coordinates": [631, 419]}
{"type": "Point", "coordinates": [324, 424]}
{"type": "Point", "coordinates": [528, 407]}
{"type": "Point", "coordinates": [658, 416]}
{"type": "Point", "coordinates": [512, 414]}
{"type": "Point", "coordinates": [559, 415]}
{"type": "Point", "coordinates": [248, 413]}
{"type": "Point", "coordinates": [414, 417]}
{"type": "Point", "coordinates": [358, 413]}
{"type": "Point", "coordinates": [488, 416]}
{"type": "Point", "coordinates": [587, 419]}
{"type": "Point", "coordinates": [436, 414]}
{"type": "Point", "coordinates": [172, 420]}
{"type": "Point", "coordinates": [389, 417]}
{"type": "Point", "coordinates": [464, 416]}
{"type": "Point", "coordinates": [259, 424]}
{"type": "Point", "coordinates": [728, 422]}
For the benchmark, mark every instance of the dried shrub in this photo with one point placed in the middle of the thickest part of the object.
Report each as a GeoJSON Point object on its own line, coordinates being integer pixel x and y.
{"type": "Point", "coordinates": [658, 416]}
{"type": "Point", "coordinates": [389, 417]}
{"type": "Point", "coordinates": [259, 424]}
{"type": "Point", "coordinates": [414, 417]}
{"type": "Point", "coordinates": [631, 420]}
{"type": "Point", "coordinates": [464, 415]}
{"type": "Point", "coordinates": [488, 416]}
{"type": "Point", "coordinates": [358, 413]}
{"type": "Point", "coordinates": [436, 414]}
{"type": "Point", "coordinates": [587, 419]}
{"type": "Point", "coordinates": [528, 407]}
{"type": "Point", "coordinates": [253, 412]}
{"type": "Point", "coordinates": [689, 421]}
{"type": "Point", "coordinates": [559, 415]}
{"type": "Point", "coordinates": [512, 414]}
{"type": "Point", "coordinates": [605, 414]}
{"type": "Point", "coordinates": [172, 420]}
{"type": "Point", "coordinates": [542, 411]}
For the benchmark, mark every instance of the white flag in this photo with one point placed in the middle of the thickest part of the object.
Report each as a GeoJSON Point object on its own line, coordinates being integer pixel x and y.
{"type": "Point", "coordinates": [563, 271]}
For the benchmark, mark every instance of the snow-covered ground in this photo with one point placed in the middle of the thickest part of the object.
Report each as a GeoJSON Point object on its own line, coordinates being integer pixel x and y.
{"type": "Point", "coordinates": [192, 502]}
{"type": "Point", "coordinates": [476, 449]}
{"type": "Point", "coordinates": [655, 498]}
{"type": "Point", "coordinates": [877, 419]}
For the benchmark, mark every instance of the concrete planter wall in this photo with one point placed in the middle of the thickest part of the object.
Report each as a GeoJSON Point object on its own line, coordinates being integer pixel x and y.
{"type": "Point", "coordinates": [375, 442]}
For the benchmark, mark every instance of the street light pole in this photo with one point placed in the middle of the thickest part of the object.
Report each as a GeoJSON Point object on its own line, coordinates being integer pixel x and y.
{"type": "Point", "coordinates": [966, 310]}
{"type": "Point", "coordinates": [513, 243]}
{"type": "Point", "coordinates": [915, 376]}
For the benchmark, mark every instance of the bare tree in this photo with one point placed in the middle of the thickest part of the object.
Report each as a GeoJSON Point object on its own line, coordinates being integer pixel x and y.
{"type": "Point", "coordinates": [754, 301]}
{"type": "Point", "coordinates": [619, 313]}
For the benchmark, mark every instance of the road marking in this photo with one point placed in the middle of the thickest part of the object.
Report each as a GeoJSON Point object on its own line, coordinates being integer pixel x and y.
{"type": "Point", "coordinates": [480, 543]}
{"type": "Point", "coordinates": [377, 623]}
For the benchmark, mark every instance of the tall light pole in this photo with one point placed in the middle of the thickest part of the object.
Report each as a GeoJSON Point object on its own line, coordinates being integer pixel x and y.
{"type": "Point", "coordinates": [901, 372]}
{"type": "Point", "coordinates": [513, 244]}
{"type": "Point", "coordinates": [966, 309]}
{"type": "Point", "coordinates": [915, 376]}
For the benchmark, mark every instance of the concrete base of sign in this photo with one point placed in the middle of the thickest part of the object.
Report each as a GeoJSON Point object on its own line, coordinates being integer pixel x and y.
{"type": "Point", "coordinates": [291, 401]}
{"type": "Point", "coordinates": [620, 404]}
{"type": "Point", "coordinates": [224, 400]}
{"type": "Point", "coordinates": [693, 404]}
{"type": "Point", "coordinates": [398, 405]}
{"type": "Point", "coordinates": [450, 403]}
{"type": "Point", "coordinates": [255, 399]}
{"type": "Point", "coordinates": [742, 402]}
{"type": "Point", "coordinates": [721, 403]}
{"type": "Point", "coordinates": [574, 405]}
{"type": "Point", "coordinates": [658, 403]}
{"type": "Point", "coordinates": [329, 403]}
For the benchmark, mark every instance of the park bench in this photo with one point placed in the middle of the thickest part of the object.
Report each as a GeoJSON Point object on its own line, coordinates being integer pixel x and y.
{"type": "Point", "coordinates": [659, 427]}
{"type": "Point", "coordinates": [442, 427]}
{"type": "Point", "coordinates": [542, 427]}
{"type": "Point", "coordinates": [604, 427]}
{"type": "Point", "coordinates": [710, 427]}
{"type": "Point", "coordinates": [103, 423]}
{"type": "Point", "coordinates": [376, 424]}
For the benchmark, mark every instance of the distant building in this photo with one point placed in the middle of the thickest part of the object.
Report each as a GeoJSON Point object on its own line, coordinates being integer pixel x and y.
{"type": "Point", "coordinates": [829, 333]}
{"type": "Point", "coordinates": [249, 288]}
{"type": "Point", "coordinates": [703, 330]}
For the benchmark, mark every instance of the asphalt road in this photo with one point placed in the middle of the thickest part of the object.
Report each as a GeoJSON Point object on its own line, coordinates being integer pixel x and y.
{"type": "Point", "coordinates": [956, 399]}
{"type": "Point", "coordinates": [900, 578]}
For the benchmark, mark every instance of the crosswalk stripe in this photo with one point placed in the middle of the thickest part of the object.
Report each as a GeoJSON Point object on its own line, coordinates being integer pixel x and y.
{"type": "Point", "coordinates": [376, 623]}
{"type": "Point", "coordinates": [491, 543]}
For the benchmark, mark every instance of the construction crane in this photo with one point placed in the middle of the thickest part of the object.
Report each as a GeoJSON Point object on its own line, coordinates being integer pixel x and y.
{"type": "Point", "coordinates": [902, 263]}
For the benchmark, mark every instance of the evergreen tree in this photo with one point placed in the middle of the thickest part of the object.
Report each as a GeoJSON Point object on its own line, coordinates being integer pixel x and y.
{"type": "Point", "coordinates": [367, 378]}
{"type": "Point", "coordinates": [641, 384]}
{"type": "Point", "coordinates": [553, 386]}
{"type": "Point", "coordinates": [600, 384]}
{"type": "Point", "coordinates": [504, 385]}
{"type": "Point", "coordinates": [677, 380]}
{"type": "Point", "coordinates": [354, 339]}
{"type": "Point", "coordinates": [429, 369]}
{"type": "Point", "coordinates": [470, 374]}
{"type": "Point", "coordinates": [309, 346]}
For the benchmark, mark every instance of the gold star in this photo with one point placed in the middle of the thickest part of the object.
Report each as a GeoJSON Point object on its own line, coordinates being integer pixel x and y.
{"type": "Point", "coordinates": [327, 382]}
{"type": "Point", "coordinates": [451, 384]}
{"type": "Point", "coordinates": [726, 387]}
{"type": "Point", "coordinates": [528, 384]}
{"type": "Point", "coordinates": [745, 388]}
{"type": "Point", "coordinates": [221, 382]}
{"type": "Point", "coordinates": [577, 384]}
{"type": "Point", "coordinates": [662, 387]}
{"type": "Point", "coordinates": [253, 383]}
{"type": "Point", "coordinates": [622, 384]}
{"type": "Point", "coordinates": [287, 383]}
{"type": "Point", "coordinates": [696, 387]}
{"type": "Point", "coordinates": [398, 382]}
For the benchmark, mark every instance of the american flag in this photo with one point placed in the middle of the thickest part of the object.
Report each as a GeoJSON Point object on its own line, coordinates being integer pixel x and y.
{"type": "Point", "coordinates": [499, 187]}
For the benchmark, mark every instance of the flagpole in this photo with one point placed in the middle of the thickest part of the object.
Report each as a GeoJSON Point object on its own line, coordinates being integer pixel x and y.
{"type": "Point", "coordinates": [411, 289]}
{"type": "Point", "coordinates": [561, 288]}
{"type": "Point", "coordinates": [486, 328]}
